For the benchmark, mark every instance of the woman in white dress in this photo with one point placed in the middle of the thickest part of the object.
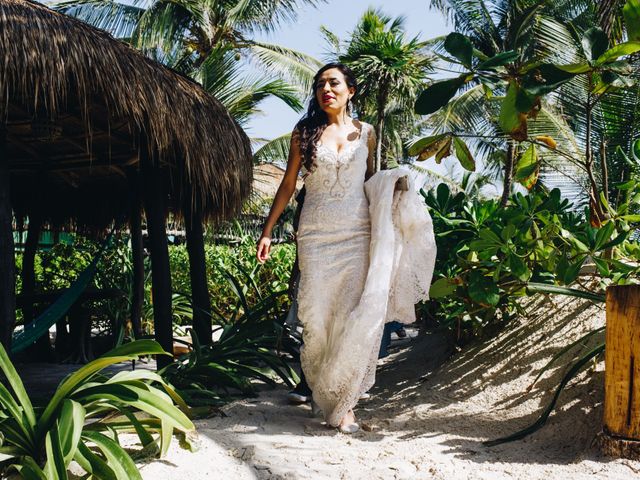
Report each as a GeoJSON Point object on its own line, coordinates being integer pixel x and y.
{"type": "Point", "coordinates": [342, 326]}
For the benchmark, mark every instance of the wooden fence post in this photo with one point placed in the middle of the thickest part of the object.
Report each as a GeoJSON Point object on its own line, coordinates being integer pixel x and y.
{"type": "Point", "coordinates": [621, 432]}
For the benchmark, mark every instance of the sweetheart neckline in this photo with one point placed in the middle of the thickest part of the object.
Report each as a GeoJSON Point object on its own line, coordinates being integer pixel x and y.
{"type": "Point", "coordinates": [336, 153]}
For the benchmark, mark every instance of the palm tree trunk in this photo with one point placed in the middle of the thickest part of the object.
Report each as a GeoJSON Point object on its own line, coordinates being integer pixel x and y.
{"type": "Point", "coordinates": [608, 10]}
{"type": "Point", "coordinates": [508, 173]}
{"type": "Point", "coordinates": [7, 250]}
{"type": "Point", "coordinates": [605, 170]}
{"type": "Point", "coordinates": [594, 203]}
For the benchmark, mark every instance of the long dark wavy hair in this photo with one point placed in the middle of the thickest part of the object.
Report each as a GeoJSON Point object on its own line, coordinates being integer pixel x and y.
{"type": "Point", "coordinates": [311, 126]}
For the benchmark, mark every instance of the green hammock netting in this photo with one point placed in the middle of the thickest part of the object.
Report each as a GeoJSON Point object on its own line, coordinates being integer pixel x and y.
{"type": "Point", "coordinates": [34, 330]}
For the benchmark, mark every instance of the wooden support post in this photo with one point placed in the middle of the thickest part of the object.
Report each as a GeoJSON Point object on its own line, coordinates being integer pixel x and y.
{"type": "Point", "coordinates": [41, 350]}
{"type": "Point", "coordinates": [621, 435]}
{"type": "Point", "coordinates": [155, 209]}
{"type": "Point", "coordinates": [197, 270]}
{"type": "Point", "coordinates": [137, 254]}
{"type": "Point", "coordinates": [7, 250]}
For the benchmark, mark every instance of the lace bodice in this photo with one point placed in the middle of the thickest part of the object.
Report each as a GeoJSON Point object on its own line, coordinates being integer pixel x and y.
{"type": "Point", "coordinates": [336, 183]}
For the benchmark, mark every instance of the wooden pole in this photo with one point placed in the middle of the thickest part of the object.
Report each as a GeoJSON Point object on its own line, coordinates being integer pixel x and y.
{"type": "Point", "coordinates": [7, 250]}
{"type": "Point", "coordinates": [137, 254]}
{"type": "Point", "coordinates": [41, 350]}
{"type": "Point", "coordinates": [155, 209]}
{"type": "Point", "coordinates": [621, 436]}
{"type": "Point", "coordinates": [197, 270]}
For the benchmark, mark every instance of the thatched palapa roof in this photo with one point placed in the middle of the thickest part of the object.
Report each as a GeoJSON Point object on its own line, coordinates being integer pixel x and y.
{"type": "Point", "coordinates": [75, 102]}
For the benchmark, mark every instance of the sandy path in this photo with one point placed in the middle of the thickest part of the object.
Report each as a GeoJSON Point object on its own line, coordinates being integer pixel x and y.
{"type": "Point", "coordinates": [427, 419]}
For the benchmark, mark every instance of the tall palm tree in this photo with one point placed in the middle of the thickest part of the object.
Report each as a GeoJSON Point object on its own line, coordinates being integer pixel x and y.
{"type": "Point", "coordinates": [493, 27]}
{"type": "Point", "coordinates": [212, 42]}
{"type": "Point", "coordinates": [574, 114]}
{"type": "Point", "coordinates": [390, 69]}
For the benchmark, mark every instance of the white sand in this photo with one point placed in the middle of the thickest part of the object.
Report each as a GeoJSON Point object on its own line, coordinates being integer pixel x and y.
{"type": "Point", "coordinates": [427, 421]}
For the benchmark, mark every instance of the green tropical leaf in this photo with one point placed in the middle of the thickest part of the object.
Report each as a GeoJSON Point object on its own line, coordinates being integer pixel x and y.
{"type": "Point", "coordinates": [13, 379]}
{"type": "Point", "coordinates": [631, 12]}
{"type": "Point", "coordinates": [594, 43]}
{"type": "Point", "coordinates": [460, 47]}
{"type": "Point", "coordinates": [602, 265]}
{"type": "Point", "coordinates": [528, 167]}
{"type": "Point", "coordinates": [623, 49]}
{"type": "Point", "coordinates": [518, 268]}
{"type": "Point", "coordinates": [438, 94]}
{"type": "Point", "coordinates": [482, 289]}
{"type": "Point", "coordinates": [635, 150]}
{"type": "Point", "coordinates": [464, 155]}
{"type": "Point", "coordinates": [118, 460]}
{"type": "Point", "coordinates": [128, 351]}
{"type": "Point", "coordinates": [511, 120]}
{"type": "Point", "coordinates": [545, 78]}
{"type": "Point", "coordinates": [70, 425]}
{"type": "Point", "coordinates": [140, 398]}
{"type": "Point", "coordinates": [30, 470]}
{"type": "Point", "coordinates": [499, 60]}
{"type": "Point", "coordinates": [575, 68]}
{"type": "Point", "coordinates": [603, 235]}
{"type": "Point", "coordinates": [568, 271]}
{"type": "Point", "coordinates": [93, 464]}
{"type": "Point", "coordinates": [524, 101]}
{"type": "Point", "coordinates": [55, 468]}
{"type": "Point", "coordinates": [442, 287]}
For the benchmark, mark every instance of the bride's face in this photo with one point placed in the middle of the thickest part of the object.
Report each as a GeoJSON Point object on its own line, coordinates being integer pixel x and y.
{"type": "Point", "coordinates": [332, 91]}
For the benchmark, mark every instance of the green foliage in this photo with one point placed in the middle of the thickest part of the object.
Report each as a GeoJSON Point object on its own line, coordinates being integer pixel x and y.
{"type": "Point", "coordinates": [237, 261]}
{"type": "Point", "coordinates": [488, 255]}
{"type": "Point", "coordinates": [441, 146]}
{"type": "Point", "coordinates": [252, 344]}
{"type": "Point", "coordinates": [391, 69]}
{"type": "Point", "coordinates": [82, 420]}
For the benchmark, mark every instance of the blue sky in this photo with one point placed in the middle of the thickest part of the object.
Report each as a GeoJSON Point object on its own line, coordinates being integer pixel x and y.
{"type": "Point", "coordinates": [340, 17]}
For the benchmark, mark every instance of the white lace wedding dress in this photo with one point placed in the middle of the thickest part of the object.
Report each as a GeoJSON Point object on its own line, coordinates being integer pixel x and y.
{"type": "Point", "coordinates": [343, 298]}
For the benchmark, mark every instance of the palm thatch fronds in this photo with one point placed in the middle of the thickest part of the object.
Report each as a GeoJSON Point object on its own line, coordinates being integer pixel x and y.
{"type": "Point", "coordinates": [78, 106]}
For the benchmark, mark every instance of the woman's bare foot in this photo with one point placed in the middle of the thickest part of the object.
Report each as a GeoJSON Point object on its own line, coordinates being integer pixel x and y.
{"type": "Point", "coordinates": [348, 423]}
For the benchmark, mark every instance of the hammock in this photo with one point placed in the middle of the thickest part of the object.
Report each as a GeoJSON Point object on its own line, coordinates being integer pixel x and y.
{"type": "Point", "coordinates": [58, 309]}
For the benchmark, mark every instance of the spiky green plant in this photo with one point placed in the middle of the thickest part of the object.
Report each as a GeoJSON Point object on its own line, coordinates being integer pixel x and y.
{"type": "Point", "coordinates": [82, 420]}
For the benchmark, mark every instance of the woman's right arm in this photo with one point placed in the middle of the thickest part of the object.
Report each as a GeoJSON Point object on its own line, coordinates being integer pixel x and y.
{"type": "Point", "coordinates": [283, 195]}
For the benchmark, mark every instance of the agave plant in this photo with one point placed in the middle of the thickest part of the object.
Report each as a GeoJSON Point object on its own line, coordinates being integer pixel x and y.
{"type": "Point", "coordinates": [82, 420]}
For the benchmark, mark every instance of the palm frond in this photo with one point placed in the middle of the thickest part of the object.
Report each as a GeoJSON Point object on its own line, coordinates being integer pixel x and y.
{"type": "Point", "coordinates": [119, 19]}
{"type": "Point", "coordinates": [296, 67]}
{"type": "Point", "coordinates": [268, 15]}
{"type": "Point", "coordinates": [273, 151]}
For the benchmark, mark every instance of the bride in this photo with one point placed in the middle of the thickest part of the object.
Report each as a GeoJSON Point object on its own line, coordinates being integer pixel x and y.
{"type": "Point", "coordinates": [341, 310]}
